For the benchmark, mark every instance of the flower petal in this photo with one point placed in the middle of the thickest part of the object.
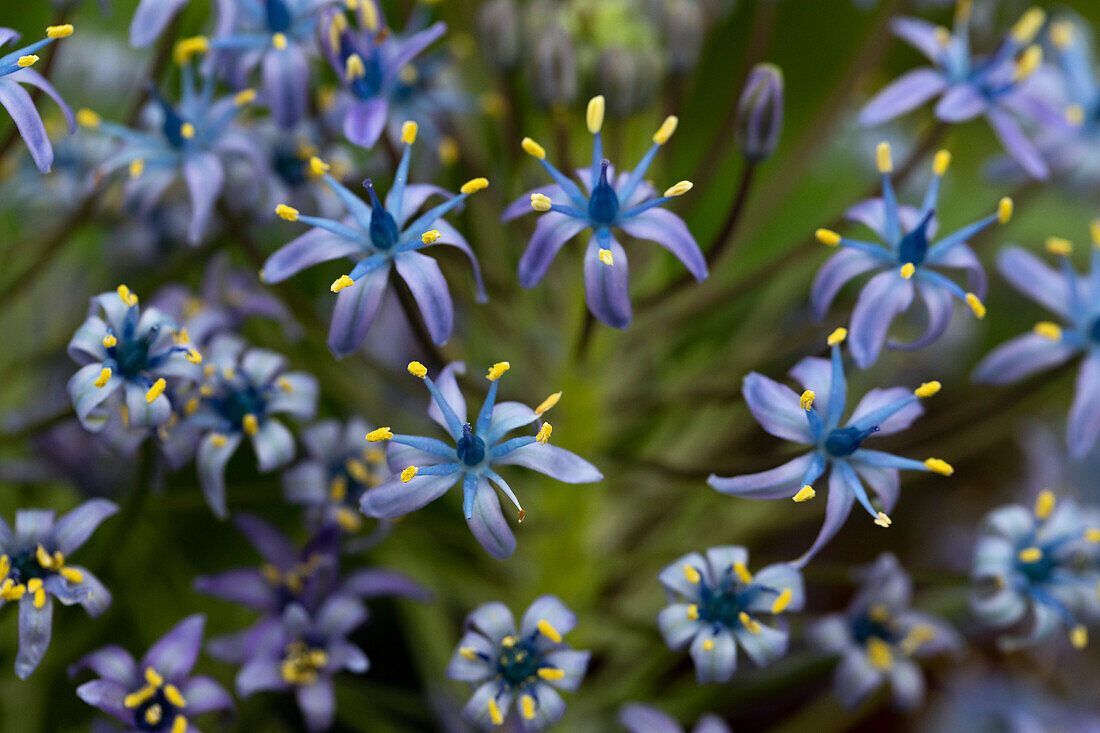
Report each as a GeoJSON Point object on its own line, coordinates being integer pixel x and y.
{"type": "Point", "coordinates": [150, 20]}
{"type": "Point", "coordinates": [920, 34]}
{"type": "Point", "coordinates": [111, 662]}
{"type": "Point", "coordinates": [1035, 279]}
{"type": "Point", "coordinates": [550, 609]}
{"type": "Point", "coordinates": [365, 121]}
{"type": "Point", "coordinates": [1016, 143]}
{"type": "Point", "coordinates": [638, 718]}
{"type": "Point", "coordinates": [481, 667]}
{"type": "Point", "coordinates": [243, 586]}
{"type": "Point", "coordinates": [855, 678]}
{"type": "Point", "coordinates": [1084, 414]}
{"type": "Point", "coordinates": [960, 103]}
{"type": "Point", "coordinates": [285, 80]}
{"type": "Point", "coordinates": [1021, 357]}
{"type": "Point", "coordinates": [777, 408]}
{"type": "Point", "coordinates": [395, 498]}
{"type": "Point", "coordinates": [837, 509]}
{"type": "Point", "coordinates": [882, 299]}
{"type": "Point", "coordinates": [669, 231]}
{"type": "Point", "coordinates": [175, 653]}
{"type": "Point", "coordinates": [718, 663]}
{"type": "Point", "coordinates": [313, 247]}
{"type": "Point", "coordinates": [20, 106]}
{"type": "Point", "coordinates": [203, 694]}
{"type": "Point", "coordinates": [34, 634]}
{"type": "Point", "coordinates": [835, 274]}
{"type": "Point", "coordinates": [274, 445]}
{"type": "Point", "coordinates": [782, 482]}
{"type": "Point", "coordinates": [552, 231]}
{"type": "Point", "coordinates": [73, 529]}
{"type": "Point", "coordinates": [205, 177]}
{"type": "Point", "coordinates": [488, 524]}
{"type": "Point", "coordinates": [106, 695]}
{"type": "Point", "coordinates": [493, 620]}
{"type": "Point", "coordinates": [429, 288]}
{"type": "Point", "coordinates": [356, 307]}
{"type": "Point", "coordinates": [877, 399]}
{"type": "Point", "coordinates": [317, 703]}
{"type": "Point", "coordinates": [552, 461]}
{"type": "Point", "coordinates": [210, 461]}
{"type": "Point", "coordinates": [607, 287]}
{"type": "Point", "coordinates": [907, 92]}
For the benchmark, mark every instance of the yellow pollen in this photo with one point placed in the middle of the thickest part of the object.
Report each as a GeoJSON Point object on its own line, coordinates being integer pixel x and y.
{"type": "Point", "coordinates": [1004, 210]}
{"type": "Point", "coordinates": [25, 61]}
{"type": "Point", "coordinates": [1075, 114]}
{"type": "Point", "coordinates": [417, 369]}
{"type": "Point", "coordinates": [551, 673]}
{"type": "Point", "coordinates": [1044, 503]}
{"type": "Point", "coordinates": [508, 642]}
{"type": "Point", "coordinates": [549, 631]}
{"type": "Point", "coordinates": [194, 356]}
{"type": "Point", "coordinates": [186, 48]}
{"type": "Point", "coordinates": [497, 370]}
{"type": "Point", "coordinates": [908, 269]}
{"type": "Point", "coordinates": [474, 185]}
{"type": "Point", "coordinates": [494, 713]}
{"type": "Point", "coordinates": [59, 31]}
{"type": "Point", "coordinates": [408, 474]}
{"type": "Point", "coordinates": [1061, 34]}
{"type": "Point", "coordinates": [837, 337]}
{"type": "Point", "coordinates": [943, 36]}
{"type": "Point", "coordinates": [469, 652]}
{"type": "Point", "coordinates": [87, 118]}
{"type": "Point", "coordinates": [1028, 25]}
{"type": "Point", "coordinates": [594, 114]}
{"type": "Point", "coordinates": [976, 305]}
{"type": "Point", "coordinates": [827, 237]}
{"type": "Point", "coordinates": [693, 612]}
{"type": "Point", "coordinates": [606, 257]}
{"type": "Point", "coordinates": [939, 466]}
{"type": "Point", "coordinates": [1059, 246]}
{"type": "Point", "coordinates": [941, 162]}
{"type": "Point", "coordinates": [679, 189]}
{"type": "Point", "coordinates": [805, 494]}
{"type": "Point", "coordinates": [179, 725]}
{"type": "Point", "coordinates": [806, 401]}
{"type": "Point", "coordinates": [1030, 555]}
{"type": "Point", "coordinates": [1079, 637]}
{"type": "Point", "coordinates": [340, 283]}
{"type": "Point", "coordinates": [749, 623]}
{"type": "Point", "coordinates": [548, 403]}
{"type": "Point", "coordinates": [927, 389]}
{"type": "Point", "coordinates": [1028, 62]}
{"type": "Point", "coordinates": [541, 202]}
{"type": "Point", "coordinates": [135, 699]}
{"type": "Point", "coordinates": [187, 131]}
{"type": "Point", "coordinates": [218, 440]}
{"type": "Point", "coordinates": [173, 694]}
{"type": "Point", "coordinates": [781, 603]}
{"type": "Point", "coordinates": [883, 159]}
{"type": "Point", "coordinates": [742, 572]}
{"type": "Point", "coordinates": [279, 41]}
{"type": "Point", "coordinates": [430, 236]}
{"type": "Point", "coordinates": [126, 295]}
{"type": "Point", "coordinates": [708, 645]}
{"type": "Point", "coordinates": [543, 436]}
{"type": "Point", "coordinates": [1092, 534]}
{"type": "Point", "coordinates": [354, 67]}
{"type": "Point", "coordinates": [378, 435]}
{"type": "Point", "coordinates": [137, 167]}
{"type": "Point", "coordinates": [287, 212]}
{"type": "Point", "coordinates": [71, 574]}
{"type": "Point", "coordinates": [1049, 330]}
{"type": "Point", "coordinates": [917, 636]}
{"type": "Point", "coordinates": [250, 424]}
{"type": "Point", "coordinates": [243, 97]}
{"type": "Point", "coordinates": [527, 706]}
{"type": "Point", "coordinates": [408, 132]}
{"type": "Point", "coordinates": [664, 132]}
{"type": "Point", "coordinates": [882, 520]}
{"type": "Point", "coordinates": [533, 149]}
{"type": "Point", "coordinates": [879, 655]}
{"type": "Point", "coordinates": [103, 378]}
{"type": "Point", "coordinates": [692, 574]}
{"type": "Point", "coordinates": [318, 167]}
{"type": "Point", "coordinates": [156, 390]}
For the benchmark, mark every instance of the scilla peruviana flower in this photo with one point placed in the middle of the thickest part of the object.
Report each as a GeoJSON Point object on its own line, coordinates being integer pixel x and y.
{"type": "Point", "coordinates": [907, 260]}
{"type": "Point", "coordinates": [605, 203]}
{"type": "Point", "coordinates": [425, 468]}
{"type": "Point", "coordinates": [638, 718]}
{"type": "Point", "coordinates": [813, 419]}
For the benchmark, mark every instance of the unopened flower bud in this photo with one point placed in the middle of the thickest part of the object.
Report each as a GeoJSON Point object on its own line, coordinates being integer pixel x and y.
{"type": "Point", "coordinates": [760, 112]}
{"type": "Point", "coordinates": [499, 31]}
{"type": "Point", "coordinates": [555, 68]}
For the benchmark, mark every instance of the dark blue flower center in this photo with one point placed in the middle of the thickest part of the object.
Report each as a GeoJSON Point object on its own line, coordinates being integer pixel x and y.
{"type": "Point", "coordinates": [289, 166]}
{"type": "Point", "coordinates": [278, 15]}
{"type": "Point", "coordinates": [383, 228]}
{"type": "Point", "coordinates": [156, 713]}
{"type": "Point", "coordinates": [723, 605]}
{"type": "Point", "coordinates": [132, 354]}
{"type": "Point", "coordinates": [846, 441]}
{"type": "Point", "coordinates": [519, 664]}
{"type": "Point", "coordinates": [603, 204]}
{"type": "Point", "coordinates": [24, 566]}
{"type": "Point", "coordinates": [914, 245]}
{"type": "Point", "coordinates": [875, 622]}
{"type": "Point", "coordinates": [173, 123]}
{"type": "Point", "coordinates": [470, 448]}
{"type": "Point", "coordinates": [239, 401]}
{"type": "Point", "coordinates": [1094, 330]}
{"type": "Point", "coordinates": [368, 85]}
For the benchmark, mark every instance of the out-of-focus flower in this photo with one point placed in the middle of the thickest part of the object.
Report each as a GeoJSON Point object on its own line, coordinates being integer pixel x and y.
{"type": "Point", "coordinates": [191, 140]}
{"type": "Point", "coordinates": [499, 25]}
{"type": "Point", "coordinates": [760, 113]}
{"type": "Point", "coordinates": [34, 571]}
{"type": "Point", "coordinates": [1075, 299]}
{"type": "Point", "coordinates": [527, 667]}
{"type": "Point", "coordinates": [638, 718]}
{"type": "Point", "coordinates": [907, 260]}
{"type": "Point", "coordinates": [998, 88]}
{"type": "Point", "coordinates": [303, 652]}
{"type": "Point", "coordinates": [336, 471]}
{"type": "Point", "coordinates": [427, 467]}
{"type": "Point", "coordinates": [553, 70]}
{"type": "Point", "coordinates": [15, 69]}
{"type": "Point", "coordinates": [369, 60]}
{"type": "Point", "coordinates": [879, 637]}
{"type": "Point", "coordinates": [158, 693]}
{"type": "Point", "coordinates": [814, 419]}
{"type": "Point", "coordinates": [127, 359]}
{"type": "Point", "coordinates": [714, 602]}
{"type": "Point", "coordinates": [629, 204]}
{"type": "Point", "coordinates": [151, 18]}
{"type": "Point", "coordinates": [685, 25]}
{"type": "Point", "coordinates": [384, 238]}
{"type": "Point", "coordinates": [243, 392]}
{"type": "Point", "coordinates": [1036, 571]}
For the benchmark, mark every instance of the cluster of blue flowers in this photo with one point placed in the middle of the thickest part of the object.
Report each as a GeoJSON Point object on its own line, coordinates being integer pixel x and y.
{"type": "Point", "coordinates": [176, 377]}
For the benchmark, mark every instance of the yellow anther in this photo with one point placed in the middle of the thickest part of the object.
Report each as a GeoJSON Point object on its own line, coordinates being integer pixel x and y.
{"type": "Point", "coordinates": [279, 41]}
{"type": "Point", "coordinates": [805, 494]}
{"type": "Point", "coordinates": [135, 699]}
{"type": "Point", "coordinates": [1044, 503]}
{"type": "Point", "coordinates": [357, 470]}
{"type": "Point", "coordinates": [708, 645]}
{"type": "Point", "coordinates": [179, 725]}
{"type": "Point", "coordinates": [1079, 637]}
{"type": "Point", "coordinates": [806, 401]}
{"type": "Point", "coordinates": [173, 694]}
{"type": "Point", "coordinates": [541, 202]}
{"type": "Point", "coordinates": [243, 97]}
{"type": "Point", "coordinates": [1028, 62]}
{"type": "Point", "coordinates": [606, 257]}
{"type": "Point", "coordinates": [882, 520]}
{"type": "Point", "coordinates": [1048, 329]}
{"type": "Point", "coordinates": [543, 436]}
{"type": "Point", "coordinates": [962, 10]}
{"type": "Point", "coordinates": [976, 305]}
{"type": "Point", "coordinates": [1059, 246]}
{"type": "Point", "coordinates": [186, 48]}
{"type": "Point", "coordinates": [318, 167]}
{"type": "Point", "coordinates": [533, 149]}
{"type": "Point", "coordinates": [287, 212]}
{"type": "Point", "coordinates": [156, 390]}
{"type": "Point", "coordinates": [34, 586]}
{"type": "Point", "coordinates": [447, 151]}
{"type": "Point", "coordinates": [837, 337]}
{"type": "Point", "coordinates": [1004, 210]}
{"type": "Point", "coordinates": [827, 237]}
{"type": "Point", "coordinates": [218, 440]}
{"type": "Point", "coordinates": [340, 283]}
{"type": "Point", "coordinates": [943, 36]}
{"type": "Point", "coordinates": [1094, 232]}
{"type": "Point", "coordinates": [25, 61]}
{"type": "Point", "coordinates": [1030, 555]}
{"type": "Point", "coordinates": [742, 572]}
{"type": "Point", "coordinates": [430, 236]}
{"type": "Point", "coordinates": [59, 31]}
{"type": "Point", "coordinates": [927, 389]}
{"type": "Point", "coordinates": [693, 612]}
{"type": "Point", "coordinates": [187, 131]}
{"type": "Point", "coordinates": [594, 114]}
{"type": "Point", "coordinates": [494, 709]}
{"type": "Point", "coordinates": [137, 167]}
{"type": "Point", "coordinates": [883, 159]}
{"type": "Point", "coordinates": [917, 636]}
{"type": "Point", "coordinates": [879, 654]}
{"type": "Point", "coordinates": [1061, 34]}
{"type": "Point", "coordinates": [692, 574]}
{"type": "Point", "coordinates": [549, 631]}
{"type": "Point", "coordinates": [43, 558]}
{"type": "Point", "coordinates": [417, 369]}
{"type": "Point", "coordinates": [939, 466]}
{"type": "Point", "coordinates": [71, 574]}
{"type": "Point", "coordinates": [1075, 115]}
{"type": "Point", "coordinates": [408, 474]}
{"type": "Point", "coordinates": [126, 295]}
{"type": "Point", "coordinates": [527, 706]}
{"type": "Point", "coordinates": [551, 674]}
{"type": "Point", "coordinates": [103, 378]}
{"type": "Point", "coordinates": [5, 566]}
{"type": "Point", "coordinates": [468, 652]}
{"type": "Point", "coordinates": [508, 642]}
{"type": "Point", "coordinates": [750, 624]}
{"type": "Point", "coordinates": [1092, 534]}
{"type": "Point", "coordinates": [250, 424]}
{"type": "Point", "coordinates": [548, 403]}
{"type": "Point", "coordinates": [908, 269]}
{"type": "Point", "coordinates": [338, 25]}
{"type": "Point", "coordinates": [781, 602]}
{"type": "Point", "coordinates": [664, 132]}
{"type": "Point", "coordinates": [474, 185]}
{"type": "Point", "coordinates": [408, 132]}
{"type": "Point", "coordinates": [679, 189]}
{"type": "Point", "coordinates": [153, 677]}
{"type": "Point", "coordinates": [194, 356]}
{"type": "Point", "coordinates": [941, 162]}
{"type": "Point", "coordinates": [354, 67]}
{"type": "Point", "coordinates": [378, 435]}
{"type": "Point", "coordinates": [1028, 25]}
{"type": "Point", "coordinates": [497, 370]}
{"type": "Point", "coordinates": [87, 118]}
